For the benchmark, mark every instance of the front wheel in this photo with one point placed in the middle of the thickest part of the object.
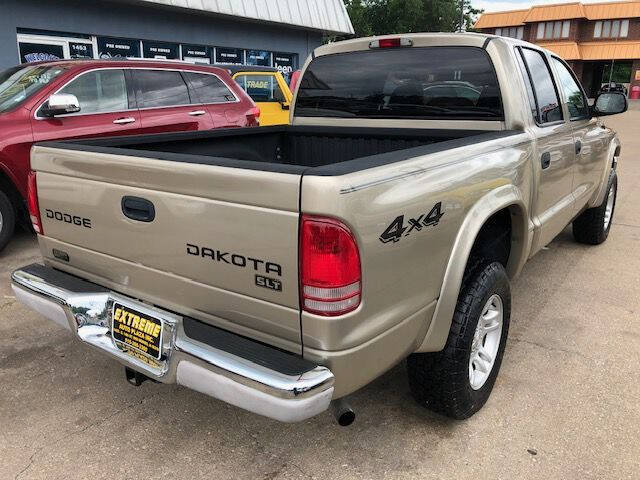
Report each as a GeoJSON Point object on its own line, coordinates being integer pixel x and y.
{"type": "Point", "coordinates": [458, 380]}
{"type": "Point", "coordinates": [7, 220]}
{"type": "Point", "coordinates": [593, 225]}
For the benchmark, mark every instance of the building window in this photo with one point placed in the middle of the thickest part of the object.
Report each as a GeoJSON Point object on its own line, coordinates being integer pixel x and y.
{"type": "Point", "coordinates": [549, 30]}
{"type": "Point", "coordinates": [511, 32]}
{"type": "Point", "coordinates": [611, 29]}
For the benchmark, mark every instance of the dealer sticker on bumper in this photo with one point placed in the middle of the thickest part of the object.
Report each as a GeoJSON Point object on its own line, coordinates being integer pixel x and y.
{"type": "Point", "coordinates": [135, 332]}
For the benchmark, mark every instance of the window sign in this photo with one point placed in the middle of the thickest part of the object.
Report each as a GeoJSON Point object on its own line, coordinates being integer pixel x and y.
{"type": "Point", "coordinates": [109, 47]}
{"type": "Point", "coordinates": [37, 52]}
{"type": "Point", "coordinates": [285, 63]}
{"type": "Point", "coordinates": [80, 50]}
{"type": "Point", "coordinates": [196, 53]}
{"type": "Point", "coordinates": [229, 55]}
{"type": "Point", "coordinates": [260, 58]}
{"type": "Point", "coordinates": [160, 50]}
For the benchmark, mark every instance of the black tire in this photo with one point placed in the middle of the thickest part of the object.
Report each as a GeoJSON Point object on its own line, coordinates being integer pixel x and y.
{"type": "Point", "coordinates": [7, 220]}
{"type": "Point", "coordinates": [440, 381]}
{"type": "Point", "coordinates": [590, 227]}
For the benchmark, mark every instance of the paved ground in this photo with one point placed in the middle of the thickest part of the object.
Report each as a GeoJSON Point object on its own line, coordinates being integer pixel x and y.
{"type": "Point", "coordinates": [566, 404]}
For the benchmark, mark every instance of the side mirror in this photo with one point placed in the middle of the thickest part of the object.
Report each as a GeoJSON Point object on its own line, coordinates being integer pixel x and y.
{"type": "Point", "coordinates": [60, 104]}
{"type": "Point", "coordinates": [609, 103]}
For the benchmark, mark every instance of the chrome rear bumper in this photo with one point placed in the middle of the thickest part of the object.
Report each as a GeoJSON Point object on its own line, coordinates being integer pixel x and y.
{"type": "Point", "coordinates": [234, 369]}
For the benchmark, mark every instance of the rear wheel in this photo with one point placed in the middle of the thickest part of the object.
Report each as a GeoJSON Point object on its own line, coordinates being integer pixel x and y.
{"type": "Point", "coordinates": [7, 219]}
{"type": "Point", "coordinates": [593, 225]}
{"type": "Point", "coordinates": [457, 381]}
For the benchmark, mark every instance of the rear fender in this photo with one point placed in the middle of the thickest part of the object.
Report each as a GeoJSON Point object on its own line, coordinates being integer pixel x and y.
{"type": "Point", "coordinates": [598, 197]}
{"type": "Point", "coordinates": [507, 196]}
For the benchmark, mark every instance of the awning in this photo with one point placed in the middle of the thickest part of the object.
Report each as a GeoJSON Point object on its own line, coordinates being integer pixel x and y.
{"type": "Point", "coordinates": [325, 15]}
{"type": "Point", "coordinates": [545, 13]}
{"type": "Point", "coordinates": [620, 50]}
{"type": "Point", "coordinates": [512, 18]}
{"type": "Point", "coordinates": [565, 50]}
{"type": "Point", "coordinates": [567, 11]}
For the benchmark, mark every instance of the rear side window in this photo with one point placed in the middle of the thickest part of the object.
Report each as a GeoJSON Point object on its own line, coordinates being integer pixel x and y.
{"type": "Point", "coordinates": [415, 82]}
{"type": "Point", "coordinates": [161, 88]}
{"type": "Point", "coordinates": [208, 88]}
{"type": "Point", "coordinates": [576, 101]}
{"type": "Point", "coordinates": [100, 91]}
{"type": "Point", "coordinates": [261, 88]}
{"type": "Point", "coordinates": [549, 108]}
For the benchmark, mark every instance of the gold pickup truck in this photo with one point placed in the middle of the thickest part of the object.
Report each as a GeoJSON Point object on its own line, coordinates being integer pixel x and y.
{"type": "Point", "coordinates": [281, 268]}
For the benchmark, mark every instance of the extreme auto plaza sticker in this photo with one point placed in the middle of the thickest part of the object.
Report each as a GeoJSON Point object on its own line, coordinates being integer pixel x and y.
{"type": "Point", "coordinates": [135, 333]}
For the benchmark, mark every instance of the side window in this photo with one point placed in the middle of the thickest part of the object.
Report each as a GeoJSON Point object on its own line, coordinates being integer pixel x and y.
{"type": "Point", "coordinates": [100, 91]}
{"type": "Point", "coordinates": [261, 88]}
{"type": "Point", "coordinates": [161, 88]}
{"type": "Point", "coordinates": [577, 103]}
{"type": "Point", "coordinates": [527, 82]}
{"type": "Point", "coordinates": [209, 88]}
{"type": "Point", "coordinates": [549, 107]}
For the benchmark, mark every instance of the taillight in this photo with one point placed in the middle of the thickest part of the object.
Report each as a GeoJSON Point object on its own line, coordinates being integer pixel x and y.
{"type": "Point", "coordinates": [32, 203]}
{"type": "Point", "coordinates": [253, 116]}
{"type": "Point", "coordinates": [391, 43]}
{"type": "Point", "coordinates": [330, 278]}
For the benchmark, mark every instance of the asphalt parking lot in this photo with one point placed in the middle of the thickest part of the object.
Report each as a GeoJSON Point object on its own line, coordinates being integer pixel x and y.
{"type": "Point", "coordinates": [566, 404]}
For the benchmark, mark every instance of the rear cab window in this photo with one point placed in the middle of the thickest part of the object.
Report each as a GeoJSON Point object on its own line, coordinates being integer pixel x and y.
{"type": "Point", "coordinates": [415, 82]}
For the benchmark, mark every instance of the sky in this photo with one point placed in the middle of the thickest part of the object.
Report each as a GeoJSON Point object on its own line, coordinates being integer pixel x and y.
{"type": "Point", "coordinates": [499, 5]}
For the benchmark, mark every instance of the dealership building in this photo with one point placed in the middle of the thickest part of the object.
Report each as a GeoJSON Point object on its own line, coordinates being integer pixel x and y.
{"type": "Point", "coordinates": [278, 33]}
{"type": "Point", "coordinates": [601, 41]}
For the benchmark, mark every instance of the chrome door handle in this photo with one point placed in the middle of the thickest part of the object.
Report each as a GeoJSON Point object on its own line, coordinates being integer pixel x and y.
{"type": "Point", "coordinates": [123, 121]}
{"type": "Point", "coordinates": [197, 113]}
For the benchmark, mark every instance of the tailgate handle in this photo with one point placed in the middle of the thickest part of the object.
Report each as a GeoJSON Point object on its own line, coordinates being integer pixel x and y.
{"type": "Point", "coordinates": [139, 209]}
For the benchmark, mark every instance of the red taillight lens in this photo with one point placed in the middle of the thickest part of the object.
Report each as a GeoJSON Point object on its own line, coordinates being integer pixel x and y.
{"type": "Point", "coordinates": [330, 278]}
{"type": "Point", "coordinates": [253, 116]}
{"type": "Point", "coordinates": [32, 203]}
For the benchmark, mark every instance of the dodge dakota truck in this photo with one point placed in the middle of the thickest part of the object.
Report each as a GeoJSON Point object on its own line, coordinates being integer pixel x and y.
{"type": "Point", "coordinates": [282, 268]}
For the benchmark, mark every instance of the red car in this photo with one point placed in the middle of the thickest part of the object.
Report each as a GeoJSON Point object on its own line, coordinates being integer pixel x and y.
{"type": "Point", "coordinates": [90, 98]}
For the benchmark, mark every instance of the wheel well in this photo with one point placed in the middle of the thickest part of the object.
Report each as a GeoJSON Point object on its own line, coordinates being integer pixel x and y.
{"type": "Point", "coordinates": [493, 242]}
{"type": "Point", "coordinates": [7, 186]}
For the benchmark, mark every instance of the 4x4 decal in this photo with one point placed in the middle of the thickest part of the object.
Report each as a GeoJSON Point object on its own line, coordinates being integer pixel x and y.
{"type": "Point", "coordinates": [397, 229]}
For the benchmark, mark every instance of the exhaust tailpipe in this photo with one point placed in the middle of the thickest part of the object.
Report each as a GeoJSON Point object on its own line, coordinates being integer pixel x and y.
{"type": "Point", "coordinates": [343, 412]}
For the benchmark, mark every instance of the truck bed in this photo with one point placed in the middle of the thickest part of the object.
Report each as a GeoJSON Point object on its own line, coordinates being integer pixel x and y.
{"type": "Point", "coordinates": [288, 149]}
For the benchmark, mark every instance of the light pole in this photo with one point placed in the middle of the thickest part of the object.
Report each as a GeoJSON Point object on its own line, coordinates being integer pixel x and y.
{"type": "Point", "coordinates": [461, 16]}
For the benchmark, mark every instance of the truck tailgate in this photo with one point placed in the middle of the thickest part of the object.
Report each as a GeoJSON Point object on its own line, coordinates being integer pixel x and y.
{"type": "Point", "coordinates": [221, 240]}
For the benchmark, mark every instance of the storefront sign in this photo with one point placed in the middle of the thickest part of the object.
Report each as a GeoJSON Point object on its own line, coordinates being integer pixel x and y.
{"type": "Point", "coordinates": [160, 50]}
{"type": "Point", "coordinates": [259, 57]}
{"type": "Point", "coordinates": [229, 55]}
{"type": "Point", "coordinates": [285, 63]}
{"type": "Point", "coordinates": [80, 50]}
{"type": "Point", "coordinates": [37, 52]}
{"type": "Point", "coordinates": [109, 47]}
{"type": "Point", "coordinates": [196, 53]}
